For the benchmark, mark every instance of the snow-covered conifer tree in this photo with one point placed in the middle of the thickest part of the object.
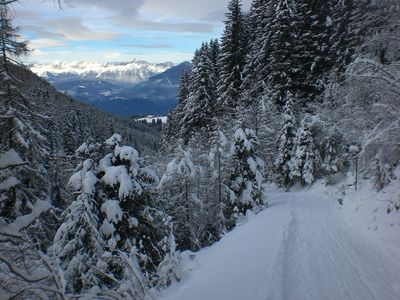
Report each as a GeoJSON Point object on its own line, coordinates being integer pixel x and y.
{"type": "Point", "coordinates": [232, 57]}
{"type": "Point", "coordinates": [78, 243]}
{"type": "Point", "coordinates": [305, 163]}
{"type": "Point", "coordinates": [129, 215]}
{"type": "Point", "coordinates": [169, 270]}
{"type": "Point", "coordinates": [285, 142]}
{"type": "Point", "coordinates": [201, 102]}
{"type": "Point", "coordinates": [247, 179]}
{"type": "Point", "coordinates": [177, 186]}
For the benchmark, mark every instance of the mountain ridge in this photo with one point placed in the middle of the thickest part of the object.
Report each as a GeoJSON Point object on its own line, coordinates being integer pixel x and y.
{"type": "Point", "coordinates": [121, 72]}
{"type": "Point", "coordinates": [148, 92]}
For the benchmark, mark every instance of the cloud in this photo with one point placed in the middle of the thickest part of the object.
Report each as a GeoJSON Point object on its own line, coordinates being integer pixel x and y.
{"type": "Point", "coordinates": [121, 7]}
{"type": "Point", "coordinates": [167, 26]}
{"type": "Point", "coordinates": [72, 29]}
{"type": "Point", "coordinates": [27, 14]}
{"type": "Point", "coordinates": [146, 46]}
{"type": "Point", "coordinates": [41, 33]}
{"type": "Point", "coordinates": [46, 43]}
{"type": "Point", "coordinates": [189, 9]}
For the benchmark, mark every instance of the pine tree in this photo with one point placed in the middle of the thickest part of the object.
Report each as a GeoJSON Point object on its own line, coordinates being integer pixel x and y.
{"type": "Point", "coordinates": [286, 142]}
{"type": "Point", "coordinates": [232, 57]}
{"type": "Point", "coordinates": [219, 158]}
{"type": "Point", "coordinates": [247, 178]}
{"type": "Point", "coordinates": [177, 186]}
{"type": "Point", "coordinates": [176, 117]}
{"type": "Point", "coordinates": [200, 106]}
{"type": "Point", "coordinates": [78, 244]}
{"type": "Point", "coordinates": [305, 163]}
{"type": "Point", "coordinates": [213, 55]}
{"type": "Point", "coordinates": [342, 40]}
{"type": "Point", "coordinates": [318, 29]}
{"type": "Point", "coordinates": [129, 215]}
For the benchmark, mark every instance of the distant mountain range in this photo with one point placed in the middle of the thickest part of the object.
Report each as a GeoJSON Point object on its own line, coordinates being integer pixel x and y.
{"type": "Point", "coordinates": [124, 89]}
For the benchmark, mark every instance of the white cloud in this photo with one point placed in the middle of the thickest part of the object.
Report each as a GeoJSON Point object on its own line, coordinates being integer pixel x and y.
{"type": "Point", "coordinates": [72, 29]}
{"type": "Point", "coordinates": [188, 9]}
{"type": "Point", "coordinates": [46, 43]}
{"type": "Point", "coordinates": [127, 8]}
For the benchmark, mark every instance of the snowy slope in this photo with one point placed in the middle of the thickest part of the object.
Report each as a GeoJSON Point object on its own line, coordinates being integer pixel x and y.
{"type": "Point", "coordinates": [301, 247]}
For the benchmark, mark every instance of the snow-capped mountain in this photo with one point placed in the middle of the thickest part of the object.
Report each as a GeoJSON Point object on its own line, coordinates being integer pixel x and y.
{"type": "Point", "coordinates": [121, 72]}
{"type": "Point", "coordinates": [124, 89]}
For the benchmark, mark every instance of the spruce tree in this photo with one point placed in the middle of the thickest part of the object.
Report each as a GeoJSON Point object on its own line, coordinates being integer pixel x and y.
{"type": "Point", "coordinates": [176, 117]}
{"type": "Point", "coordinates": [129, 215]}
{"type": "Point", "coordinates": [305, 163]}
{"type": "Point", "coordinates": [286, 142]}
{"type": "Point", "coordinates": [202, 97]}
{"type": "Point", "coordinates": [78, 244]}
{"type": "Point", "coordinates": [177, 187]}
{"type": "Point", "coordinates": [247, 179]}
{"type": "Point", "coordinates": [232, 57]}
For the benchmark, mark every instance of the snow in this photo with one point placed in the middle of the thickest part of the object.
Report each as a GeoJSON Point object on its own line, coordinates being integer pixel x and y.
{"type": "Point", "coordinates": [10, 158]}
{"type": "Point", "coordinates": [354, 149]}
{"type": "Point", "coordinates": [8, 183]}
{"type": "Point", "coordinates": [114, 140]}
{"type": "Point", "coordinates": [126, 153]}
{"type": "Point", "coordinates": [24, 221]}
{"type": "Point", "coordinates": [304, 246]}
{"type": "Point", "coordinates": [151, 119]}
{"type": "Point", "coordinates": [119, 175]}
{"type": "Point", "coordinates": [112, 210]}
{"type": "Point", "coordinates": [84, 180]}
{"type": "Point", "coordinates": [134, 71]}
{"type": "Point", "coordinates": [241, 135]}
{"type": "Point", "coordinates": [107, 228]}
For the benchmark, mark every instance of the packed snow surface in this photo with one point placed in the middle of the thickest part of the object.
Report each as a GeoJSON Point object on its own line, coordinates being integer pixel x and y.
{"type": "Point", "coordinates": [301, 247]}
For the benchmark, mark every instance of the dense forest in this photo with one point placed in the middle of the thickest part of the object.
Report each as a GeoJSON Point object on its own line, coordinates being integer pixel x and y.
{"type": "Point", "coordinates": [94, 206]}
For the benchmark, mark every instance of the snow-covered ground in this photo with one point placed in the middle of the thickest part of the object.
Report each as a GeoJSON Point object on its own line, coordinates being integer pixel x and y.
{"type": "Point", "coordinates": [151, 119]}
{"type": "Point", "coordinates": [304, 246]}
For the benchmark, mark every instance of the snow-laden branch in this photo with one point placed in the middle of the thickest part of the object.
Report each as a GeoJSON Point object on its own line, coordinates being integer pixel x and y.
{"type": "Point", "coordinates": [24, 221]}
{"type": "Point", "coordinates": [371, 69]}
{"type": "Point", "coordinates": [14, 270]}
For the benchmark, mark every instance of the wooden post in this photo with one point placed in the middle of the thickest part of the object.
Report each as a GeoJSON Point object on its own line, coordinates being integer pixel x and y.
{"type": "Point", "coordinates": [356, 175]}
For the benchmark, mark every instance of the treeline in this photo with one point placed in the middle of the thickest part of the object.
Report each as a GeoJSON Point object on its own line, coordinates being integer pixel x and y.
{"type": "Point", "coordinates": [310, 78]}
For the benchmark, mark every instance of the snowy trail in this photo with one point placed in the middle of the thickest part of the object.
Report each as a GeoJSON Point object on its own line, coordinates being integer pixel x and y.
{"type": "Point", "coordinates": [298, 248]}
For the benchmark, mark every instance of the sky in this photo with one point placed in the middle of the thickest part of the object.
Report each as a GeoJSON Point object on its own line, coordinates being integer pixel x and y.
{"type": "Point", "coordinates": [118, 30]}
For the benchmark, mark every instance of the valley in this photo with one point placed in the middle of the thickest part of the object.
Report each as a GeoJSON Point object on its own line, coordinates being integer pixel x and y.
{"type": "Point", "coordinates": [134, 88]}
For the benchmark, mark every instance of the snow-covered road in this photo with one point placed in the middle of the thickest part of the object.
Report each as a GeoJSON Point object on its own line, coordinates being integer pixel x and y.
{"type": "Point", "coordinates": [299, 248]}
